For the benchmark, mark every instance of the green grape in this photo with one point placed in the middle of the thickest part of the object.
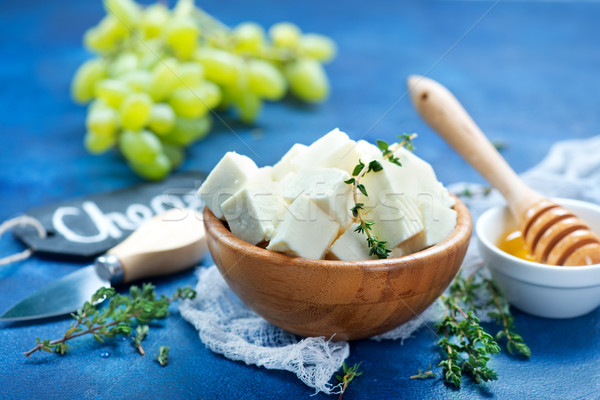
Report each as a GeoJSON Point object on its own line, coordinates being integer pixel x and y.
{"type": "Point", "coordinates": [246, 102]}
{"type": "Point", "coordinates": [128, 12]}
{"type": "Point", "coordinates": [90, 72]}
{"type": "Point", "coordinates": [124, 63]}
{"type": "Point", "coordinates": [186, 131]}
{"type": "Point", "coordinates": [317, 46]}
{"type": "Point", "coordinates": [98, 144]}
{"type": "Point", "coordinates": [285, 34]}
{"type": "Point", "coordinates": [194, 102]}
{"type": "Point", "coordinates": [138, 81]}
{"type": "Point", "coordinates": [188, 102]}
{"type": "Point", "coordinates": [164, 79]}
{"type": "Point", "coordinates": [249, 106]}
{"type": "Point", "coordinates": [156, 78]}
{"type": "Point", "coordinates": [102, 120]}
{"type": "Point", "coordinates": [154, 170]}
{"type": "Point", "coordinates": [112, 91]}
{"type": "Point", "coordinates": [190, 74]}
{"type": "Point", "coordinates": [135, 111]}
{"type": "Point", "coordinates": [175, 154]}
{"type": "Point", "coordinates": [154, 18]}
{"type": "Point", "coordinates": [211, 94]}
{"type": "Point", "coordinates": [139, 146]}
{"type": "Point", "coordinates": [182, 35]}
{"type": "Point", "coordinates": [149, 59]}
{"type": "Point", "coordinates": [97, 103]}
{"type": "Point", "coordinates": [105, 36]}
{"type": "Point", "coordinates": [220, 66]}
{"type": "Point", "coordinates": [265, 80]}
{"type": "Point", "coordinates": [308, 80]}
{"type": "Point", "coordinates": [162, 118]}
{"type": "Point", "coordinates": [249, 37]}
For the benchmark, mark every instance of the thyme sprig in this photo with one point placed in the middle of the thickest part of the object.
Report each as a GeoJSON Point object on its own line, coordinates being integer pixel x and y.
{"type": "Point", "coordinates": [349, 374]}
{"type": "Point", "coordinates": [163, 355]}
{"type": "Point", "coordinates": [140, 334]}
{"type": "Point", "coordinates": [470, 339]}
{"type": "Point", "coordinates": [427, 374]}
{"type": "Point", "coordinates": [378, 247]}
{"type": "Point", "coordinates": [503, 317]}
{"type": "Point", "coordinates": [466, 347]}
{"type": "Point", "coordinates": [119, 317]}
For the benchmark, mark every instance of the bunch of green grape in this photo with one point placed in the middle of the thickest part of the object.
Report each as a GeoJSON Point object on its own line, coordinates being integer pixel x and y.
{"type": "Point", "coordinates": [159, 73]}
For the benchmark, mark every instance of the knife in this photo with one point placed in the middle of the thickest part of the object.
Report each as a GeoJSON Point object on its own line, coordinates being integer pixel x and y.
{"type": "Point", "coordinates": [169, 242]}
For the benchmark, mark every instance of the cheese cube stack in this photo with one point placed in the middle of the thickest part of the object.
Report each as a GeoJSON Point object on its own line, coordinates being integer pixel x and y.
{"type": "Point", "coordinates": [232, 173]}
{"type": "Point", "coordinates": [351, 246]}
{"type": "Point", "coordinates": [254, 212]}
{"type": "Point", "coordinates": [285, 165]}
{"type": "Point", "coordinates": [326, 152]}
{"type": "Point", "coordinates": [302, 206]}
{"type": "Point", "coordinates": [326, 187]}
{"type": "Point", "coordinates": [305, 231]}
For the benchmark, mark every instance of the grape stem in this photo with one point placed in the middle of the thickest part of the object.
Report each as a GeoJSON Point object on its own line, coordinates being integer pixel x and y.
{"type": "Point", "coordinates": [220, 36]}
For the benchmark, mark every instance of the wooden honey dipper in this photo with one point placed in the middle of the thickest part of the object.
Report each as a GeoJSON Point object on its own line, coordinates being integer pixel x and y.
{"type": "Point", "coordinates": [552, 233]}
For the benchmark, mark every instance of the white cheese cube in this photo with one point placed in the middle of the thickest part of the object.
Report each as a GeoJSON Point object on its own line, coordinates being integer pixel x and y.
{"type": "Point", "coordinates": [396, 219]}
{"type": "Point", "coordinates": [231, 174]}
{"type": "Point", "coordinates": [305, 231]}
{"type": "Point", "coordinates": [326, 187]}
{"type": "Point", "coordinates": [263, 175]}
{"type": "Point", "coordinates": [396, 215]}
{"type": "Point", "coordinates": [285, 166]}
{"type": "Point", "coordinates": [254, 212]}
{"type": "Point", "coordinates": [416, 179]}
{"type": "Point", "coordinates": [326, 151]}
{"type": "Point", "coordinates": [351, 246]}
{"type": "Point", "coordinates": [363, 151]}
{"type": "Point", "coordinates": [410, 246]}
{"type": "Point", "coordinates": [439, 220]}
{"type": "Point", "coordinates": [439, 223]}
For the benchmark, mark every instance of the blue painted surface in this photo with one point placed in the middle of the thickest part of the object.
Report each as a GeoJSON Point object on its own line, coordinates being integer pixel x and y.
{"type": "Point", "coordinates": [528, 73]}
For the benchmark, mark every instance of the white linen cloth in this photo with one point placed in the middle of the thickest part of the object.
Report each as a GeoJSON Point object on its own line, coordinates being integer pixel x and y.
{"type": "Point", "coordinates": [228, 327]}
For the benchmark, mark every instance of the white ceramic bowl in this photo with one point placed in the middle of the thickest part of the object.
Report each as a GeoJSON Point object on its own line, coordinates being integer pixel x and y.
{"type": "Point", "coordinates": [539, 289]}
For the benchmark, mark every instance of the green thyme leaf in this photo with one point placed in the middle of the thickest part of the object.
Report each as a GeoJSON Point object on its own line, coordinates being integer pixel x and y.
{"type": "Point", "coordinates": [362, 189]}
{"type": "Point", "coordinates": [359, 167]}
{"type": "Point", "coordinates": [408, 141]}
{"type": "Point", "coordinates": [375, 166]}
{"type": "Point", "coordinates": [163, 355]}
{"type": "Point", "coordinates": [382, 144]}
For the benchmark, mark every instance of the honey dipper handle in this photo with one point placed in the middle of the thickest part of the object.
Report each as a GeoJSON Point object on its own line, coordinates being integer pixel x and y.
{"type": "Point", "coordinates": [442, 111]}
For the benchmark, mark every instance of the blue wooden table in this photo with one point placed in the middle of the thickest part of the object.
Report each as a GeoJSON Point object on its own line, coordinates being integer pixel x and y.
{"type": "Point", "coordinates": [527, 71]}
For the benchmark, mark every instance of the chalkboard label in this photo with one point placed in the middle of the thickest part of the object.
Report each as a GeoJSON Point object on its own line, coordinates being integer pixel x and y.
{"type": "Point", "coordinates": [89, 226]}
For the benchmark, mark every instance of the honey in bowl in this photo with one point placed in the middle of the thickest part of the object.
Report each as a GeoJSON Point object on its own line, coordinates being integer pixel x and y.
{"type": "Point", "coordinates": [512, 242]}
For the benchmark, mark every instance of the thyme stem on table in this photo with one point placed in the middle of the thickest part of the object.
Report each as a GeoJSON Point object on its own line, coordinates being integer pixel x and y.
{"type": "Point", "coordinates": [122, 313]}
{"type": "Point", "coordinates": [466, 347]}
{"type": "Point", "coordinates": [349, 374]}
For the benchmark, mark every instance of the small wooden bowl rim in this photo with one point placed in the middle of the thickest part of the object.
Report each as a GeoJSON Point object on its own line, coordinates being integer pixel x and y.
{"type": "Point", "coordinates": [216, 228]}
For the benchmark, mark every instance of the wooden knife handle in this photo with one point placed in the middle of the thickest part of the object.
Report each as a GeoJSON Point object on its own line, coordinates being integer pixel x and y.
{"type": "Point", "coordinates": [170, 242]}
{"type": "Point", "coordinates": [442, 111]}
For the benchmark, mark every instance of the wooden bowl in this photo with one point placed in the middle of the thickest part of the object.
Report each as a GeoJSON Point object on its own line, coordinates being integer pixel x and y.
{"type": "Point", "coordinates": [351, 299]}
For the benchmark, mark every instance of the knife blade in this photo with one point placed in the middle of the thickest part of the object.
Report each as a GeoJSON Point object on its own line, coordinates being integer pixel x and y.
{"type": "Point", "coordinates": [169, 242]}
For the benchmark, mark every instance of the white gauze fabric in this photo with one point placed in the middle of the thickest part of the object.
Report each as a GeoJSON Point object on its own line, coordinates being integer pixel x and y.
{"type": "Point", "coordinates": [228, 327]}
